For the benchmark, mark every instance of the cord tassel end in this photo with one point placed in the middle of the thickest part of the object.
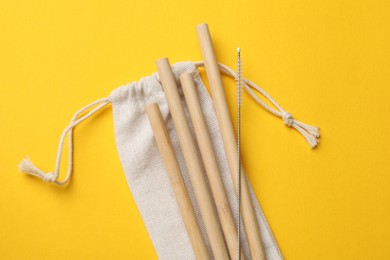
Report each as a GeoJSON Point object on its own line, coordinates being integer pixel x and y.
{"type": "Point", "coordinates": [310, 133]}
{"type": "Point", "coordinates": [27, 167]}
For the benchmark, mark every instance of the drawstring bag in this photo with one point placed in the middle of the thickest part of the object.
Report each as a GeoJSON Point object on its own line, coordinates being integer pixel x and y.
{"type": "Point", "coordinates": [143, 165]}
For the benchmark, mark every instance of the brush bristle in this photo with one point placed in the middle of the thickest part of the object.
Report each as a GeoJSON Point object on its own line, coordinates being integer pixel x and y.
{"type": "Point", "coordinates": [239, 77]}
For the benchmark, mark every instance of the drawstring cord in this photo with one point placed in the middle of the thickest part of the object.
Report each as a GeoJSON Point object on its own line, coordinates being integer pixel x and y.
{"type": "Point", "coordinates": [310, 133]}
{"type": "Point", "coordinates": [27, 167]}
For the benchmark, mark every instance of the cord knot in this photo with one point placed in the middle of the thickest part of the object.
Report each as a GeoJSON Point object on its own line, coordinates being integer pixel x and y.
{"type": "Point", "coordinates": [288, 119]}
{"type": "Point", "coordinates": [27, 167]}
{"type": "Point", "coordinates": [49, 177]}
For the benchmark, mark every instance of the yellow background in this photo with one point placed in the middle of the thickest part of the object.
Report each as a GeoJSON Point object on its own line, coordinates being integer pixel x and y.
{"type": "Point", "coordinates": [326, 62]}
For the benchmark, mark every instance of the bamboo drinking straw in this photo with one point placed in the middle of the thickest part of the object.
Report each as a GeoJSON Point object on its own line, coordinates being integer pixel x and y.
{"type": "Point", "coordinates": [182, 198]}
{"type": "Point", "coordinates": [210, 163]}
{"type": "Point", "coordinates": [192, 160]}
{"type": "Point", "coordinates": [229, 139]}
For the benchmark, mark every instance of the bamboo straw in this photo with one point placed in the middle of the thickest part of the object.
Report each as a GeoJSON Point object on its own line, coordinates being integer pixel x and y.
{"type": "Point", "coordinates": [182, 198]}
{"type": "Point", "coordinates": [210, 163]}
{"type": "Point", "coordinates": [229, 139]}
{"type": "Point", "coordinates": [192, 160]}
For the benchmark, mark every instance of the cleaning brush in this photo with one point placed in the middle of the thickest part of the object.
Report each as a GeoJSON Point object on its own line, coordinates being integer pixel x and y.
{"type": "Point", "coordinates": [239, 90]}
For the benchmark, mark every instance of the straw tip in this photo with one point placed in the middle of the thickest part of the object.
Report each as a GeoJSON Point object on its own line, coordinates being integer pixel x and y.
{"type": "Point", "coordinates": [202, 25]}
{"type": "Point", "coordinates": [238, 49]}
{"type": "Point", "coordinates": [185, 76]}
{"type": "Point", "coordinates": [162, 60]}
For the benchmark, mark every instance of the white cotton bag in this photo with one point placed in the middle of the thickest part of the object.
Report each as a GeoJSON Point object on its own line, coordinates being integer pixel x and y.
{"type": "Point", "coordinates": [143, 166]}
{"type": "Point", "coordinates": [145, 172]}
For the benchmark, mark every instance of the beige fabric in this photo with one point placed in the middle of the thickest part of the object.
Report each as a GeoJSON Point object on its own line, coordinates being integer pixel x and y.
{"type": "Point", "coordinates": [145, 172]}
